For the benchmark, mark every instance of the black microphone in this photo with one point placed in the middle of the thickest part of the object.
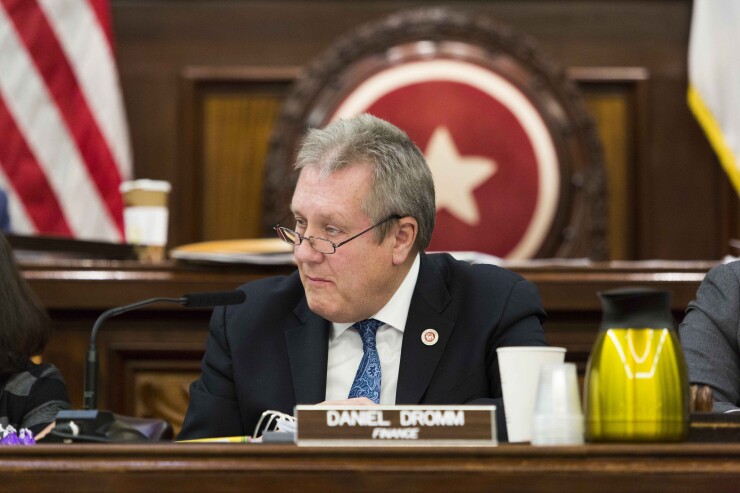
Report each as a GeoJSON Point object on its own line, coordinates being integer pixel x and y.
{"type": "Point", "coordinates": [217, 298]}
{"type": "Point", "coordinates": [192, 300]}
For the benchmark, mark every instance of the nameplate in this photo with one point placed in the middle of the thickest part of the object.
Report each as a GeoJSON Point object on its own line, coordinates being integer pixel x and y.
{"type": "Point", "coordinates": [395, 425]}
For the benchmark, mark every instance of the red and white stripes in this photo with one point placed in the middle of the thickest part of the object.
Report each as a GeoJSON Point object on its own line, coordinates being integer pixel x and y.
{"type": "Point", "coordinates": [64, 146]}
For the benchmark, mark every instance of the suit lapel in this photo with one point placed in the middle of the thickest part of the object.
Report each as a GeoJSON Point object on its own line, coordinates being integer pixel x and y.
{"type": "Point", "coordinates": [419, 361]}
{"type": "Point", "coordinates": [308, 346]}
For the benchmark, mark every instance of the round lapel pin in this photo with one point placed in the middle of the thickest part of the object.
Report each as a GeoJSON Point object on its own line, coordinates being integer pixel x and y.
{"type": "Point", "coordinates": [429, 337]}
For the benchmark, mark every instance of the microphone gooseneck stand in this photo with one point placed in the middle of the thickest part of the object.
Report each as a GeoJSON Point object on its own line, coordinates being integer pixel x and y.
{"type": "Point", "coordinates": [92, 425]}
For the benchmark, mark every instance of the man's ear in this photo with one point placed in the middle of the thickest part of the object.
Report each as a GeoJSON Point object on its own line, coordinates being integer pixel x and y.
{"type": "Point", "coordinates": [404, 237]}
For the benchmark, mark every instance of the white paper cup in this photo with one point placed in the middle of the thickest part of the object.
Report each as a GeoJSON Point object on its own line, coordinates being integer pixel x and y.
{"type": "Point", "coordinates": [520, 373]}
{"type": "Point", "coordinates": [558, 418]}
{"type": "Point", "coordinates": [145, 217]}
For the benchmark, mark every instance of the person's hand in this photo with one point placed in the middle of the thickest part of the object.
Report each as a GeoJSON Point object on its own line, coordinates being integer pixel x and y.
{"type": "Point", "coordinates": [45, 431]}
{"type": "Point", "coordinates": [354, 401]}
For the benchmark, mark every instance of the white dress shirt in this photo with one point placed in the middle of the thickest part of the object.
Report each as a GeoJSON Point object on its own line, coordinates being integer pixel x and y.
{"type": "Point", "coordinates": [345, 346]}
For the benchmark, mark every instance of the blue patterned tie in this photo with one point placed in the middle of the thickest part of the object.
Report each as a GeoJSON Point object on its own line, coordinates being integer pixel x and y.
{"type": "Point", "coordinates": [367, 379]}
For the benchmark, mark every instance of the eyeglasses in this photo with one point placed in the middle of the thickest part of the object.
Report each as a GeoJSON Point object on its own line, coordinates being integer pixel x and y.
{"type": "Point", "coordinates": [321, 245]}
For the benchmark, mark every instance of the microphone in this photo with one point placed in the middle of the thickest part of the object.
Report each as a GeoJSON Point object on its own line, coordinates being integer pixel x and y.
{"type": "Point", "coordinates": [217, 298]}
{"type": "Point", "coordinates": [192, 300]}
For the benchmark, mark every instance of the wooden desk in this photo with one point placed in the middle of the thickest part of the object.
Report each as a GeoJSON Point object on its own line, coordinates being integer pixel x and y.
{"type": "Point", "coordinates": [181, 468]}
{"type": "Point", "coordinates": [149, 357]}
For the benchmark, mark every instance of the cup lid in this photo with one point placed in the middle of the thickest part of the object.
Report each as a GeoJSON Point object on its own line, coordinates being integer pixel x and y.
{"type": "Point", "coordinates": [550, 349]}
{"type": "Point", "coordinates": [145, 184]}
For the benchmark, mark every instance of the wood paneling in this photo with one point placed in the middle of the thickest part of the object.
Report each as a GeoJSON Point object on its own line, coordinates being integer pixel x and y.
{"type": "Point", "coordinates": [672, 173]}
{"type": "Point", "coordinates": [232, 112]}
{"type": "Point", "coordinates": [236, 134]}
{"type": "Point", "coordinates": [153, 374]}
{"type": "Point", "coordinates": [156, 338]}
{"type": "Point", "coordinates": [228, 116]}
{"type": "Point", "coordinates": [163, 393]}
{"type": "Point", "coordinates": [617, 99]}
{"type": "Point", "coordinates": [149, 357]}
{"type": "Point", "coordinates": [658, 468]}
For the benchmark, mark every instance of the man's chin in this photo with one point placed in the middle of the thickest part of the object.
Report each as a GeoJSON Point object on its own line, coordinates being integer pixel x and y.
{"type": "Point", "coordinates": [330, 313]}
{"type": "Point", "coordinates": [319, 308]}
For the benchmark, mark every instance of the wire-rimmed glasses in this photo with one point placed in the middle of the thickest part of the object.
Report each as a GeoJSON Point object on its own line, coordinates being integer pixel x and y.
{"type": "Point", "coordinates": [321, 245]}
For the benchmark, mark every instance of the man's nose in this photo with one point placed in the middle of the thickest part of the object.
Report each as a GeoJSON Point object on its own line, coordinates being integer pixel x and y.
{"type": "Point", "coordinates": [306, 253]}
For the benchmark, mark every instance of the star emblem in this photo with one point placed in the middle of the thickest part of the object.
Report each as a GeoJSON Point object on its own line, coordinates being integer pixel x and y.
{"type": "Point", "coordinates": [456, 176]}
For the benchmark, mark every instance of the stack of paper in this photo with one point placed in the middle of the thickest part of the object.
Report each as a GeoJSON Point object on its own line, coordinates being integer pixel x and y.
{"type": "Point", "coordinates": [262, 251]}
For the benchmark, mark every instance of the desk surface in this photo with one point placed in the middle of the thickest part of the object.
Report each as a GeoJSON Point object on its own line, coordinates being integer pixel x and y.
{"type": "Point", "coordinates": [674, 468]}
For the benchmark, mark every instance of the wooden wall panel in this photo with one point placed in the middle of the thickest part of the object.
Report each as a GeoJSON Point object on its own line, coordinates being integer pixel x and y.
{"type": "Point", "coordinates": [236, 134]}
{"type": "Point", "coordinates": [162, 391]}
{"type": "Point", "coordinates": [680, 204]}
{"type": "Point", "coordinates": [617, 100]}
{"type": "Point", "coordinates": [228, 117]}
{"type": "Point", "coordinates": [613, 116]}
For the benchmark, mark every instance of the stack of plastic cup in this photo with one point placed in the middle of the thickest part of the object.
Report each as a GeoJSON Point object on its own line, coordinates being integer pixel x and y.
{"type": "Point", "coordinates": [557, 418]}
{"type": "Point", "coordinates": [520, 372]}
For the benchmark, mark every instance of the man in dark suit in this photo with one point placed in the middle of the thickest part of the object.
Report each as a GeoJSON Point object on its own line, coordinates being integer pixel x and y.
{"type": "Point", "coordinates": [362, 215]}
{"type": "Point", "coordinates": [710, 333]}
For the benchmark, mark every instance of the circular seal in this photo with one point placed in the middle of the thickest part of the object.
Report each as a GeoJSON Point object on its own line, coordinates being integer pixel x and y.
{"type": "Point", "coordinates": [516, 161]}
{"type": "Point", "coordinates": [429, 337]}
{"type": "Point", "coordinates": [493, 160]}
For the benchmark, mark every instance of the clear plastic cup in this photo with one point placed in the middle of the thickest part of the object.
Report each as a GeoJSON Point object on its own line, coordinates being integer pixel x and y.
{"type": "Point", "coordinates": [558, 416]}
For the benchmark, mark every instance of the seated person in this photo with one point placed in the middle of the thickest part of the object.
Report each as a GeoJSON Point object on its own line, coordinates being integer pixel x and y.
{"type": "Point", "coordinates": [30, 394]}
{"type": "Point", "coordinates": [709, 336]}
{"type": "Point", "coordinates": [368, 318]}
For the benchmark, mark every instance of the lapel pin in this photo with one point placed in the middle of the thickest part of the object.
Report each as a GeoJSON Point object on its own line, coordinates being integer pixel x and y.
{"type": "Point", "coordinates": [429, 337]}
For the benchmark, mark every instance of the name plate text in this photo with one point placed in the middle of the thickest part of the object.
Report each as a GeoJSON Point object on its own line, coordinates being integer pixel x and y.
{"type": "Point", "coordinates": [396, 425]}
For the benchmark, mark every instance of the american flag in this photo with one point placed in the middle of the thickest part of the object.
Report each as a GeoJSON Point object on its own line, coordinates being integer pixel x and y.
{"type": "Point", "coordinates": [64, 146]}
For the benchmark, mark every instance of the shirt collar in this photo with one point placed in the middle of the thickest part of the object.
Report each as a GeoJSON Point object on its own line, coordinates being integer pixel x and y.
{"type": "Point", "coordinates": [396, 311]}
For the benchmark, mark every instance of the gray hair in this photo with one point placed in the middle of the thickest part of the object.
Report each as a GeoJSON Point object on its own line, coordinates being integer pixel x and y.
{"type": "Point", "coordinates": [402, 182]}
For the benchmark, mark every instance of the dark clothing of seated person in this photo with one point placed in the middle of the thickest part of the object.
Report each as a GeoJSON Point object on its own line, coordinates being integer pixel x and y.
{"type": "Point", "coordinates": [4, 212]}
{"type": "Point", "coordinates": [30, 394]}
{"type": "Point", "coordinates": [368, 318]}
{"type": "Point", "coordinates": [32, 397]}
{"type": "Point", "coordinates": [710, 333]}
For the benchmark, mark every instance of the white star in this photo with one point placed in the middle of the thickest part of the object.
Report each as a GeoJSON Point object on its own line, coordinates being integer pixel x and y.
{"type": "Point", "coordinates": [455, 176]}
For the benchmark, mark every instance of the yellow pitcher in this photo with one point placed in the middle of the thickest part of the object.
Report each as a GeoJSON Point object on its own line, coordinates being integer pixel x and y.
{"type": "Point", "coordinates": [636, 386]}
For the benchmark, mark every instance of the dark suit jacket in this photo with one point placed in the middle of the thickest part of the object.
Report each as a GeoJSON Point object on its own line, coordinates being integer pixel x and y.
{"type": "Point", "coordinates": [710, 335]}
{"type": "Point", "coordinates": [270, 352]}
